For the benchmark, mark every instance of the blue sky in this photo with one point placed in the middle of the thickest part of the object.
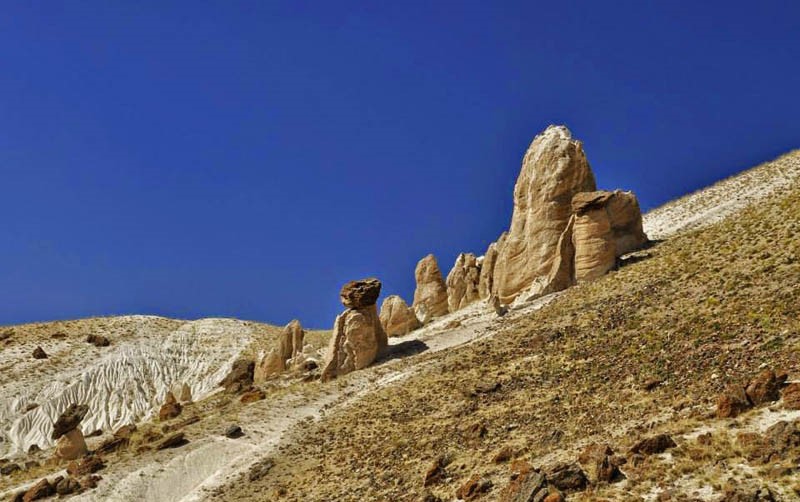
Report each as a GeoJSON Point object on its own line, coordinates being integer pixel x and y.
{"type": "Point", "coordinates": [244, 159]}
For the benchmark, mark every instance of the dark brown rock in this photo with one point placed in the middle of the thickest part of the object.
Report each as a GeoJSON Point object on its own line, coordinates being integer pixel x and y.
{"type": "Point", "coordinates": [89, 482]}
{"type": "Point", "coordinates": [9, 469]}
{"type": "Point", "coordinates": [69, 419]}
{"type": "Point", "coordinates": [260, 469]}
{"type": "Point", "coordinates": [597, 461]}
{"type": "Point", "coordinates": [67, 486]}
{"type": "Point", "coordinates": [504, 454]}
{"type": "Point", "coordinates": [567, 477]}
{"type": "Point", "coordinates": [84, 466]}
{"type": "Point", "coordinates": [361, 293]}
{"type": "Point", "coordinates": [126, 431]}
{"type": "Point", "coordinates": [233, 432]}
{"type": "Point", "coordinates": [764, 388]}
{"type": "Point", "coordinates": [39, 353]}
{"type": "Point", "coordinates": [732, 402]}
{"type": "Point", "coordinates": [40, 490]}
{"type": "Point", "coordinates": [98, 340]}
{"type": "Point", "coordinates": [526, 485]}
{"type": "Point", "coordinates": [253, 395]}
{"type": "Point", "coordinates": [240, 377]}
{"type": "Point", "coordinates": [473, 488]}
{"type": "Point", "coordinates": [791, 396]}
{"type": "Point", "coordinates": [435, 472]}
{"type": "Point", "coordinates": [654, 444]}
{"type": "Point", "coordinates": [174, 441]}
{"type": "Point", "coordinates": [111, 445]}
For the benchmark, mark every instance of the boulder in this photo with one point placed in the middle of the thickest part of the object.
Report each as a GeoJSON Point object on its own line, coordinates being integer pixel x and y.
{"type": "Point", "coordinates": [655, 444]}
{"type": "Point", "coordinates": [69, 419]}
{"type": "Point", "coordinates": [592, 238]}
{"type": "Point", "coordinates": [40, 490]}
{"type": "Point", "coordinates": [765, 388]}
{"type": "Point", "coordinates": [732, 402]}
{"type": "Point", "coordinates": [397, 318]}
{"type": "Point", "coordinates": [553, 170]}
{"type": "Point", "coordinates": [473, 488]}
{"type": "Point", "coordinates": [85, 466]}
{"type": "Point", "coordinates": [567, 477]}
{"type": "Point", "coordinates": [98, 340]}
{"type": "Point", "coordinates": [430, 296]}
{"type": "Point", "coordinates": [358, 338]}
{"type": "Point", "coordinates": [287, 354]}
{"type": "Point", "coordinates": [71, 445]}
{"type": "Point", "coordinates": [607, 226]}
{"type": "Point", "coordinates": [360, 293]}
{"type": "Point", "coordinates": [170, 409]}
{"type": "Point", "coordinates": [463, 282]}
{"type": "Point", "coordinates": [598, 463]}
{"type": "Point", "coordinates": [791, 396]}
{"type": "Point", "coordinates": [240, 377]}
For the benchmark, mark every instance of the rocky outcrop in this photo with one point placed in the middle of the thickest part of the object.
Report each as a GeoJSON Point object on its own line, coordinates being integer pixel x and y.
{"type": "Point", "coordinates": [358, 338]}
{"type": "Point", "coordinates": [554, 169]}
{"type": "Point", "coordinates": [430, 296]}
{"type": "Point", "coordinates": [397, 318]}
{"type": "Point", "coordinates": [287, 354]}
{"type": "Point", "coordinates": [71, 444]}
{"type": "Point", "coordinates": [182, 392]}
{"type": "Point", "coordinates": [607, 226]}
{"type": "Point", "coordinates": [170, 409]}
{"type": "Point", "coordinates": [240, 377]}
{"type": "Point", "coordinates": [486, 279]}
{"type": "Point", "coordinates": [463, 282]}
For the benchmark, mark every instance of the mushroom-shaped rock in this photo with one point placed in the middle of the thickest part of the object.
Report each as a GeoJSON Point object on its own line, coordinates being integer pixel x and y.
{"type": "Point", "coordinates": [287, 353]}
{"type": "Point", "coordinates": [430, 296]}
{"type": "Point", "coordinates": [71, 443]}
{"type": "Point", "coordinates": [553, 170]}
{"type": "Point", "coordinates": [358, 339]}
{"type": "Point", "coordinates": [397, 318]}
{"type": "Point", "coordinates": [463, 282]}
{"type": "Point", "coordinates": [360, 293]}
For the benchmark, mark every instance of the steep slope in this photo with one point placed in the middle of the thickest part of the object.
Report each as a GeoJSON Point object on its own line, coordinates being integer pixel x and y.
{"type": "Point", "coordinates": [693, 313]}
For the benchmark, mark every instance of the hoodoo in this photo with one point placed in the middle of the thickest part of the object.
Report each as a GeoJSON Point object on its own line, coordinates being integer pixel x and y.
{"type": "Point", "coordinates": [397, 318]}
{"type": "Point", "coordinates": [358, 337]}
{"type": "Point", "coordinates": [287, 354]}
{"type": "Point", "coordinates": [430, 296]}
{"type": "Point", "coordinates": [463, 282]}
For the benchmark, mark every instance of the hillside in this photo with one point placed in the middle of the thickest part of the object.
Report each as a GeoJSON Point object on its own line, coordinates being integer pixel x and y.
{"type": "Point", "coordinates": [695, 313]}
{"type": "Point", "coordinates": [644, 350]}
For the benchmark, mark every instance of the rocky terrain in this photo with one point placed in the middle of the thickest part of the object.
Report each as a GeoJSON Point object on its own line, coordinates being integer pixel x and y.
{"type": "Point", "coordinates": [614, 369]}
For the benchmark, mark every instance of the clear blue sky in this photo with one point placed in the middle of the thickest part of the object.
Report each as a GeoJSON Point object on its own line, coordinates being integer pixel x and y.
{"type": "Point", "coordinates": [244, 159]}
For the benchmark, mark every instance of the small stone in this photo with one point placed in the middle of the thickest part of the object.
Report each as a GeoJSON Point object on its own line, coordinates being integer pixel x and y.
{"type": "Point", "coordinates": [40, 490]}
{"type": "Point", "coordinates": [567, 477]}
{"type": "Point", "coordinates": [9, 469]}
{"type": "Point", "coordinates": [252, 396]}
{"type": "Point", "coordinates": [86, 465]}
{"type": "Point", "coordinates": [233, 432]}
{"type": "Point", "coordinates": [174, 441]}
{"type": "Point", "coordinates": [67, 486]}
{"type": "Point", "coordinates": [503, 455]}
{"type": "Point", "coordinates": [39, 353]}
{"type": "Point", "coordinates": [473, 487]}
{"type": "Point", "coordinates": [98, 340]}
{"type": "Point", "coordinates": [653, 445]}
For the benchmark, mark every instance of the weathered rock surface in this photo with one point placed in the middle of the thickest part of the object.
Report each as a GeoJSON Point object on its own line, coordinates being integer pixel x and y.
{"type": "Point", "coordinates": [40, 490]}
{"type": "Point", "coordinates": [69, 419]}
{"type": "Point", "coordinates": [170, 409]}
{"type": "Point", "coordinates": [287, 354]}
{"type": "Point", "coordinates": [182, 392]}
{"type": "Point", "coordinates": [764, 388]}
{"type": "Point", "coordinates": [598, 463]}
{"type": "Point", "coordinates": [607, 226]}
{"type": "Point", "coordinates": [430, 295]}
{"type": "Point", "coordinates": [652, 445]}
{"type": "Point", "coordinates": [240, 377]}
{"type": "Point", "coordinates": [397, 318]}
{"type": "Point", "coordinates": [554, 169]}
{"type": "Point", "coordinates": [486, 279]}
{"type": "Point", "coordinates": [463, 282]}
{"type": "Point", "coordinates": [732, 402]}
{"type": "Point", "coordinates": [358, 338]}
{"type": "Point", "coordinates": [360, 293]}
{"type": "Point", "coordinates": [791, 396]}
{"type": "Point", "coordinates": [71, 445]}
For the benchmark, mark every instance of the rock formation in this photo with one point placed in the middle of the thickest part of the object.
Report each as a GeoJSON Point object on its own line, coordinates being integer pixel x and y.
{"type": "Point", "coordinates": [554, 169]}
{"type": "Point", "coordinates": [397, 318]}
{"type": "Point", "coordinates": [430, 296]}
{"type": "Point", "coordinates": [71, 443]}
{"type": "Point", "coordinates": [182, 392]}
{"type": "Point", "coordinates": [287, 354]}
{"type": "Point", "coordinates": [170, 409]}
{"type": "Point", "coordinates": [463, 282]}
{"type": "Point", "coordinates": [240, 377]}
{"type": "Point", "coordinates": [486, 280]}
{"type": "Point", "coordinates": [358, 337]}
{"type": "Point", "coordinates": [607, 225]}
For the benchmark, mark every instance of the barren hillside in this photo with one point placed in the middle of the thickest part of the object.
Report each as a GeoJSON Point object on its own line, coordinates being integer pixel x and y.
{"type": "Point", "coordinates": [645, 350]}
